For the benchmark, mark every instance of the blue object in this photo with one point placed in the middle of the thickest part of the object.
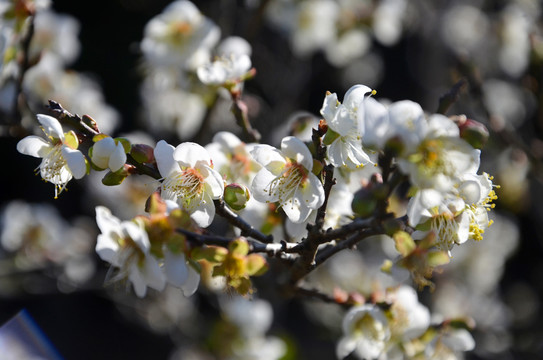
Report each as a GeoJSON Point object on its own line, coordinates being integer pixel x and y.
{"type": "Point", "coordinates": [21, 338]}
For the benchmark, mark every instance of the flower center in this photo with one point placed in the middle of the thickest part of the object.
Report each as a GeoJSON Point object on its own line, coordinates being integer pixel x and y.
{"type": "Point", "coordinates": [286, 184]}
{"type": "Point", "coordinates": [53, 169]}
{"type": "Point", "coordinates": [179, 33]}
{"type": "Point", "coordinates": [369, 328]}
{"type": "Point", "coordinates": [446, 230]}
{"type": "Point", "coordinates": [186, 185]}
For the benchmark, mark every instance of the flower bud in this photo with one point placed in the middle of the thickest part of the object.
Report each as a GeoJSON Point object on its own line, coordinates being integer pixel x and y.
{"type": "Point", "coordinates": [474, 133]}
{"type": "Point", "coordinates": [142, 153]}
{"type": "Point", "coordinates": [364, 203]}
{"type": "Point", "coordinates": [236, 196]}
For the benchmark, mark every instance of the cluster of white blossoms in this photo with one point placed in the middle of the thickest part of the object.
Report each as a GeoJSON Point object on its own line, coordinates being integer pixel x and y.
{"type": "Point", "coordinates": [184, 61]}
{"type": "Point", "coordinates": [53, 49]}
{"type": "Point", "coordinates": [281, 200]}
{"type": "Point", "coordinates": [398, 328]}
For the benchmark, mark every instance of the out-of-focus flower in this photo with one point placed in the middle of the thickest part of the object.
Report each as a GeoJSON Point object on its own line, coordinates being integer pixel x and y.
{"type": "Point", "coordinates": [38, 237]}
{"type": "Point", "coordinates": [225, 70]}
{"type": "Point", "coordinates": [365, 332]}
{"type": "Point", "coordinates": [179, 36]}
{"type": "Point", "coordinates": [387, 21]}
{"type": "Point", "coordinates": [189, 179]}
{"type": "Point", "coordinates": [126, 246]}
{"type": "Point", "coordinates": [410, 318]}
{"type": "Point", "coordinates": [441, 158]}
{"type": "Point", "coordinates": [286, 177]}
{"type": "Point", "coordinates": [251, 319]}
{"type": "Point", "coordinates": [75, 91]}
{"type": "Point", "coordinates": [232, 158]}
{"type": "Point", "coordinates": [56, 34]}
{"type": "Point", "coordinates": [60, 159]}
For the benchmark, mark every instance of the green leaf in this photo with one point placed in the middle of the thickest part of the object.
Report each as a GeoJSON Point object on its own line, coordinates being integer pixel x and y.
{"type": "Point", "coordinates": [114, 178]}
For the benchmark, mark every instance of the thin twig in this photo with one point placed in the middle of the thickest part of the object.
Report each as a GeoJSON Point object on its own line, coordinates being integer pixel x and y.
{"type": "Point", "coordinates": [451, 96]}
{"type": "Point", "coordinates": [345, 244]}
{"type": "Point", "coordinates": [247, 230]}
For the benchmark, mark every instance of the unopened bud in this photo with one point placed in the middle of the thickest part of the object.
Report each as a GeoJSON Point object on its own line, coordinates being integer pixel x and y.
{"type": "Point", "coordinates": [364, 203]}
{"type": "Point", "coordinates": [236, 196]}
{"type": "Point", "coordinates": [474, 133]}
{"type": "Point", "coordinates": [142, 153]}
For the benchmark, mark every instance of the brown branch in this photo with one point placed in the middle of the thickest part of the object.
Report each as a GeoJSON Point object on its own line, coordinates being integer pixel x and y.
{"type": "Point", "coordinates": [342, 245]}
{"type": "Point", "coordinates": [449, 98]}
{"type": "Point", "coordinates": [234, 219]}
{"type": "Point", "coordinates": [240, 111]}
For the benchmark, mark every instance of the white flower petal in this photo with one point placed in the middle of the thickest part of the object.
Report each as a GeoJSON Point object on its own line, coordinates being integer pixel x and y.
{"type": "Point", "coordinates": [295, 211]}
{"type": "Point", "coordinates": [164, 159]}
{"type": "Point", "coordinates": [138, 283]}
{"type": "Point", "coordinates": [51, 126]}
{"type": "Point", "coordinates": [329, 107]}
{"type": "Point", "coordinates": [176, 268]}
{"type": "Point", "coordinates": [269, 157]}
{"type": "Point", "coordinates": [137, 234]}
{"type": "Point", "coordinates": [312, 192]}
{"type": "Point", "coordinates": [34, 146]}
{"type": "Point", "coordinates": [203, 212]}
{"type": "Point", "coordinates": [75, 161]}
{"type": "Point", "coordinates": [295, 149]}
{"type": "Point", "coordinates": [152, 273]}
{"type": "Point", "coordinates": [261, 185]}
{"type": "Point", "coordinates": [191, 284]}
{"type": "Point", "coordinates": [117, 159]}
{"type": "Point", "coordinates": [107, 249]}
{"type": "Point", "coordinates": [345, 346]}
{"type": "Point", "coordinates": [355, 96]}
{"type": "Point", "coordinates": [104, 147]}
{"type": "Point", "coordinates": [192, 155]}
{"type": "Point", "coordinates": [214, 183]}
{"type": "Point", "coordinates": [227, 139]}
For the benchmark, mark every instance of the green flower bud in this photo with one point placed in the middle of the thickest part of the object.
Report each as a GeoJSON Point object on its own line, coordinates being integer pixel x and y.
{"type": "Point", "coordinates": [364, 203]}
{"type": "Point", "coordinates": [474, 133]}
{"type": "Point", "coordinates": [236, 196]}
{"type": "Point", "coordinates": [142, 153]}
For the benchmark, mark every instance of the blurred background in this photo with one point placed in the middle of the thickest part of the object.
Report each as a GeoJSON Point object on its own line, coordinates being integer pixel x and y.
{"type": "Point", "coordinates": [492, 51]}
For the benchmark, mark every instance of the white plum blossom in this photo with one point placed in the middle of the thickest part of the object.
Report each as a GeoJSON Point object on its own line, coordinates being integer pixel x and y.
{"type": "Point", "coordinates": [232, 158]}
{"type": "Point", "coordinates": [365, 332]}
{"type": "Point", "coordinates": [286, 178]}
{"type": "Point", "coordinates": [57, 34]}
{"type": "Point", "coordinates": [346, 121]}
{"type": "Point", "coordinates": [60, 158]}
{"type": "Point", "coordinates": [407, 122]}
{"type": "Point", "coordinates": [189, 179]}
{"type": "Point", "coordinates": [108, 153]}
{"type": "Point", "coordinates": [454, 218]}
{"type": "Point", "coordinates": [225, 69]}
{"type": "Point", "coordinates": [411, 319]}
{"type": "Point", "coordinates": [179, 36]}
{"type": "Point", "coordinates": [126, 246]}
{"type": "Point", "coordinates": [441, 157]}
